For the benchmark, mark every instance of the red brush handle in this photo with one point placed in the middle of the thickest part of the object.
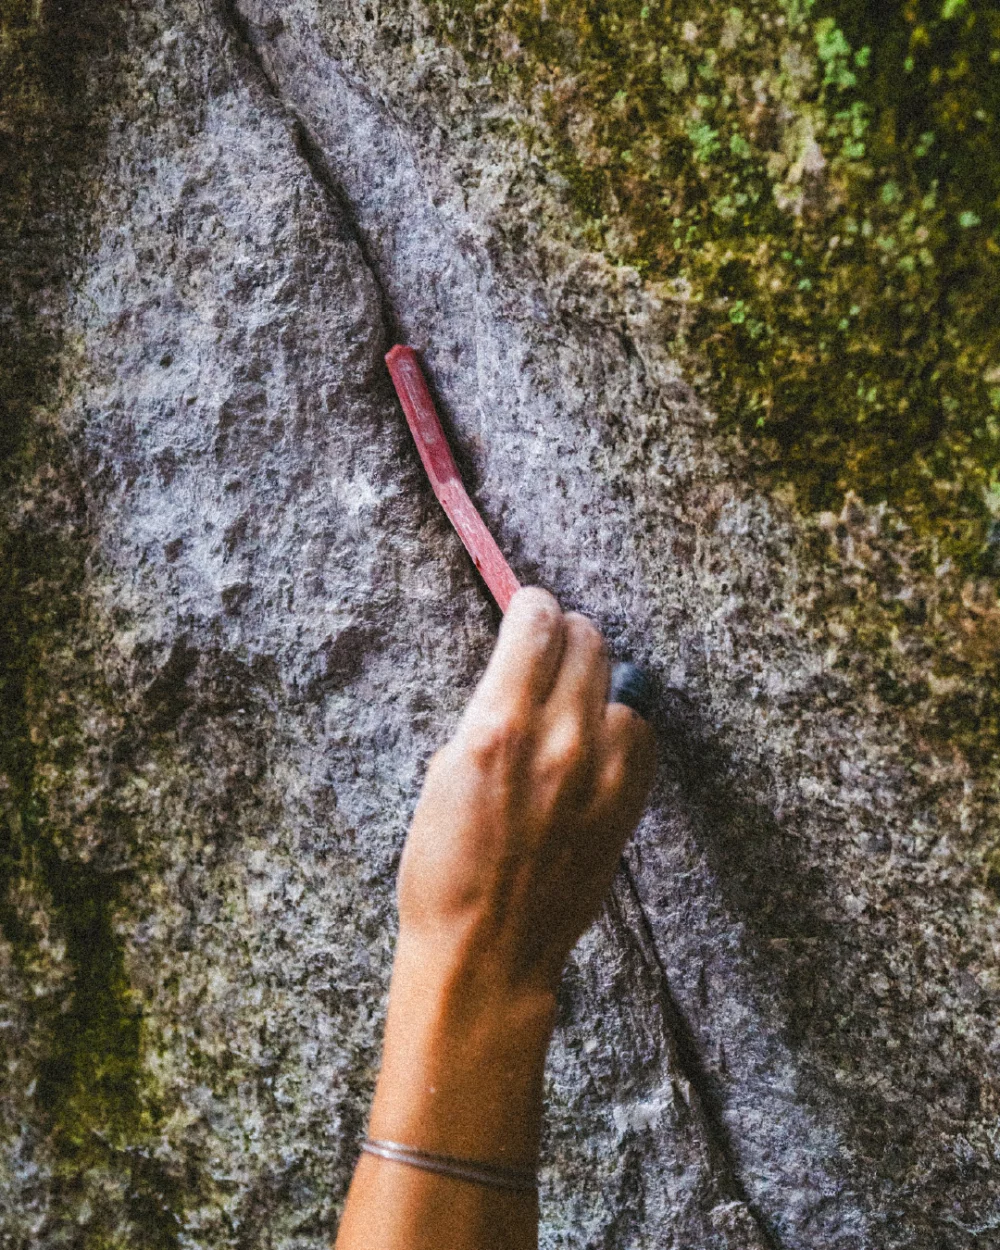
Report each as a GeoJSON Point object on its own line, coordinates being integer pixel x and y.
{"type": "Point", "coordinates": [422, 418]}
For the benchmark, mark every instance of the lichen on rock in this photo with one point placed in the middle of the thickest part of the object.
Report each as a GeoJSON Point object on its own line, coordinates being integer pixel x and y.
{"type": "Point", "coordinates": [816, 187]}
{"type": "Point", "coordinates": [73, 1039]}
{"type": "Point", "coordinates": [814, 190]}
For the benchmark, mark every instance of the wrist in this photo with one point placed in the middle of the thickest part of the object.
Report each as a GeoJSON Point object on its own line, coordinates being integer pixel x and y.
{"type": "Point", "coordinates": [462, 982]}
{"type": "Point", "coordinates": [464, 1056]}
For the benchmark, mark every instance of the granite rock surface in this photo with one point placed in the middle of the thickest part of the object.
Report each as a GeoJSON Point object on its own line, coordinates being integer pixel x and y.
{"type": "Point", "coordinates": [234, 625]}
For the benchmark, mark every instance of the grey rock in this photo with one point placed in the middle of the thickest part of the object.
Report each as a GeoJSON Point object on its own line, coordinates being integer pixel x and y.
{"type": "Point", "coordinates": [249, 626]}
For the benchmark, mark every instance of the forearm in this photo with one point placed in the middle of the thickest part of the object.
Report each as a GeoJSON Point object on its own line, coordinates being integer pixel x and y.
{"type": "Point", "coordinates": [514, 842]}
{"type": "Point", "coordinates": [461, 1076]}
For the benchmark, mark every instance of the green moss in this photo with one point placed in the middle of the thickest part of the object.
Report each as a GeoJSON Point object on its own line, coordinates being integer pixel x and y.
{"type": "Point", "coordinates": [828, 217]}
{"type": "Point", "coordinates": [814, 187]}
{"type": "Point", "coordinates": [992, 873]}
{"type": "Point", "coordinates": [91, 1095]}
{"type": "Point", "coordinates": [91, 1098]}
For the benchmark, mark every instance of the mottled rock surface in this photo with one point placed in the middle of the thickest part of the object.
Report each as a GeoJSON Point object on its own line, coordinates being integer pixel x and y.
{"type": "Point", "coordinates": [234, 624]}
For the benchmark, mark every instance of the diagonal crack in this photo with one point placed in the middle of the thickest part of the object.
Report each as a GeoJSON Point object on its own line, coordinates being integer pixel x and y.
{"type": "Point", "coordinates": [630, 917]}
{"type": "Point", "coordinates": [626, 906]}
{"type": "Point", "coordinates": [241, 31]}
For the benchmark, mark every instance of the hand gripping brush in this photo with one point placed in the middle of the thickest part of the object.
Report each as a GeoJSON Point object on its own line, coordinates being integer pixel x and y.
{"type": "Point", "coordinates": [629, 684]}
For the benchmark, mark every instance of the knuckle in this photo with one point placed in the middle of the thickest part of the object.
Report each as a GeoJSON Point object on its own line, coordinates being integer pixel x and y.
{"type": "Point", "coordinates": [565, 748]}
{"type": "Point", "coordinates": [539, 610]}
{"type": "Point", "coordinates": [615, 775]}
{"type": "Point", "coordinates": [496, 739]}
{"type": "Point", "coordinates": [585, 632]}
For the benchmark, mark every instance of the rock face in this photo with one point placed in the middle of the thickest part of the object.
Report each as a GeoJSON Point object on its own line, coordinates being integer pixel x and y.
{"type": "Point", "coordinates": [234, 624]}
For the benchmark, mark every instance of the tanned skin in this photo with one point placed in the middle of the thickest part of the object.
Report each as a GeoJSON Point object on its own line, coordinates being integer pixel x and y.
{"type": "Point", "coordinates": [513, 846]}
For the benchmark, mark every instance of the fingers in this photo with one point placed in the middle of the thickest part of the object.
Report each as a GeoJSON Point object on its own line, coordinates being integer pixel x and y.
{"type": "Point", "coordinates": [552, 669]}
{"type": "Point", "coordinates": [574, 710]}
{"type": "Point", "coordinates": [525, 660]}
{"type": "Point", "coordinates": [626, 771]}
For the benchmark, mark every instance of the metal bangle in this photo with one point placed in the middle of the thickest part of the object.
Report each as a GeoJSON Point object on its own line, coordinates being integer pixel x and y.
{"type": "Point", "coordinates": [495, 1175]}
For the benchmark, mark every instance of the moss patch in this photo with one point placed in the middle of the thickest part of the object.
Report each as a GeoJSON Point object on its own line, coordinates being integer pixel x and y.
{"type": "Point", "coordinates": [819, 186]}
{"type": "Point", "coordinates": [814, 187]}
{"type": "Point", "coordinates": [64, 867]}
{"type": "Point", "coordinates": [64, 891]}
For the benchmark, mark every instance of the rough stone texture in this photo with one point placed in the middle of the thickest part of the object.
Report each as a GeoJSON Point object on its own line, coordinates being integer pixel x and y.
{"type": "Point", "coordinates": [235, 625]}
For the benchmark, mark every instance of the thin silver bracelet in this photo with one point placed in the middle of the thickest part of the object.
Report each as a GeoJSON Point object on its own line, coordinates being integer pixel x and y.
{"type": "Point", "coordinates": [495, 1175]}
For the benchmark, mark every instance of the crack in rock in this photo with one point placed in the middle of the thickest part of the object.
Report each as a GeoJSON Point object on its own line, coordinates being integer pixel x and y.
{"type": "Point", "coordinates": [630, 914]}
{"type": "Point", "coordinates": [630, 910]}
{"type": "Point", "coordinates": [311, 151]}
{"type": "Point", "coordinates": [429, 235]}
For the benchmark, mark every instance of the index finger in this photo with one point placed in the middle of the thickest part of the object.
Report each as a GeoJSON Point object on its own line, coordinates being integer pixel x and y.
{"type": "Point", "coordinates": [526, 658]}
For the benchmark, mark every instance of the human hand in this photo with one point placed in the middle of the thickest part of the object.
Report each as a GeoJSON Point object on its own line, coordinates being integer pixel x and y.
{"type": "Point", "coordinates": [513, 845]}
{"type": "Point", "coordinates": [525, 812]}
